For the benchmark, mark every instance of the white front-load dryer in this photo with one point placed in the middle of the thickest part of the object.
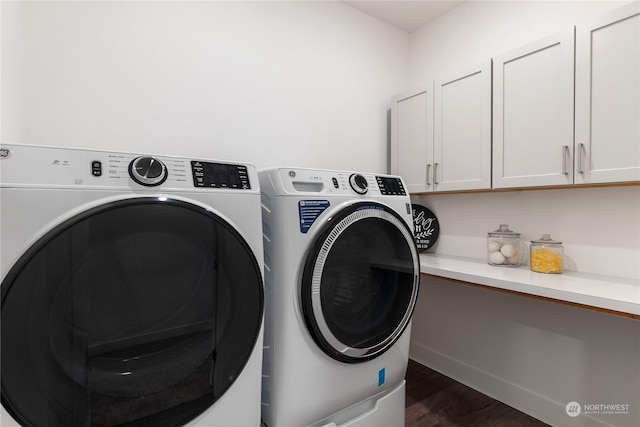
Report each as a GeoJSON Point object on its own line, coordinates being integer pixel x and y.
{"type": "Point", "coordinates": [341, 281]}
{"type": "Point", "coordinates": [132, 290]}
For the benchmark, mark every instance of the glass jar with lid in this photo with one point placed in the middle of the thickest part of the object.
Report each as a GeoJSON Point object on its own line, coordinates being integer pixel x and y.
{"type": "Point", "coordinates": [545, 255]}
{"type": "Point", "coordinates": [503, 247]}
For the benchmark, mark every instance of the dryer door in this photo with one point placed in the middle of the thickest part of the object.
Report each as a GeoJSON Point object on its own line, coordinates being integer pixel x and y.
{"type": "Point", "coordinates": [360, 282]}
{"type": "Point", "coordinates": [137, 312]}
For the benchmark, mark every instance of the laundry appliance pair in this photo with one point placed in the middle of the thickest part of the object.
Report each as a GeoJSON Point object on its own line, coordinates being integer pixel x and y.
{"type": "Point", "coordinates": [132, 292]}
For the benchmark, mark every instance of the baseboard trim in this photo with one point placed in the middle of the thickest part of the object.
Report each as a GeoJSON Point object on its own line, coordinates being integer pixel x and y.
{"type": "Point", "coordinates": [514, 395]}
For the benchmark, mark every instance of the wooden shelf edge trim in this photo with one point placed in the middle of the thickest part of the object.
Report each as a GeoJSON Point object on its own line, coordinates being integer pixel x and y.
{"type": "Point", "coordinates": [514, 189]}
{"type": "Point", "coordinates": [537, 297]}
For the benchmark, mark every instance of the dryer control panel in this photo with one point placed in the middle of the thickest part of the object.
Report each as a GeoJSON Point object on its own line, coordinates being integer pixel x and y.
{"type": "Point", "coordinates": [28, 165]}
{"type": "Point", "coordinates": [220, 175]}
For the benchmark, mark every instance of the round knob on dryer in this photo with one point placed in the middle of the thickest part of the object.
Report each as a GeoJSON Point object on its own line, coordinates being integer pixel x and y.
{"type": "Point", "coordinates": [148, 171]}
{"type": "Point", "coordinates": [358, 183]}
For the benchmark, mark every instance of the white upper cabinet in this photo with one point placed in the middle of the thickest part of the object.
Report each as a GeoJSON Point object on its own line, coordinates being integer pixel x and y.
{"type": "Point", "coordinates": [559, 111]}
{"type": "Point", "coordinates": [412, 138]}
{"type": "Point", "coordinates": [608, 97]}
{"type": "Point", "coordinates": [444, 145]}
{"type": "Point", "coordinates": [533, 114]}
{"type": "Point", "coordinates": [462, 130]}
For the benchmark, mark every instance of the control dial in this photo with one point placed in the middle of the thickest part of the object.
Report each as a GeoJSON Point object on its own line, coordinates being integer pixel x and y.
{"type": "Point", "coordinates": [358, 183]}
{"type": "Point", "coordinates": [148, 171]}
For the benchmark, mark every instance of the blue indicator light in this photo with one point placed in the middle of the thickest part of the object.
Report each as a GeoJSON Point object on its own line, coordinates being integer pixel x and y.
{"type": "Point", "coordinates": [380, 377]}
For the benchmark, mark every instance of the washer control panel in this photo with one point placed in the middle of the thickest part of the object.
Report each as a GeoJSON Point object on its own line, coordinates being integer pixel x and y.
{"type": "Point", "coordinates": [358, 183]}
{"type": "Point", "coordinates": [391, 186]}
{"type": "Point", "coordinates": [299, 180]}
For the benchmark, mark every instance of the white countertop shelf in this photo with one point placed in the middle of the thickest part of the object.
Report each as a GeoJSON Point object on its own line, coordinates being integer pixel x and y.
{"type": "Point", "coordinates": [605, 293]}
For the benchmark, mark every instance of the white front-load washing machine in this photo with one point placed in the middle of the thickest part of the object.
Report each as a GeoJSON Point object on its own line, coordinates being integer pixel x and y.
{"type": "Point", "coordinates": [341, 281]}
{"type": "Point", "coordinates": [132, 290]}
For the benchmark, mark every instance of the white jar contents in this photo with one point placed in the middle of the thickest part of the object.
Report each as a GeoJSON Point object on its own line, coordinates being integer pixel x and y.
{"type": "Point", "coordinates": [503, 247]}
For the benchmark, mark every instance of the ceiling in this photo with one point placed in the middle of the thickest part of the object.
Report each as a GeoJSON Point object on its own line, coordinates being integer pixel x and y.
{"type": "Point", "coordinates": [406, 15]}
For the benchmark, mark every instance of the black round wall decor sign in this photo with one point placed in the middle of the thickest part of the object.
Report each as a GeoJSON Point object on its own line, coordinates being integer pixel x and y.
{"type": "Point", "coordinates": [425, 227]}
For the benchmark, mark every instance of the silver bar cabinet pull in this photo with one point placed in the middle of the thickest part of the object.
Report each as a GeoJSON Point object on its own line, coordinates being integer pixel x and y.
{"type": "Point", "coordinates": [581, 149]}
{"type": "Point", "coordinates": [565, 157]}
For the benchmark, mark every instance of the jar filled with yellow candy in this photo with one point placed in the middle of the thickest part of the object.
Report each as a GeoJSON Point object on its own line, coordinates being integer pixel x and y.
{"type": "Point", "coordinates": [545, 255]}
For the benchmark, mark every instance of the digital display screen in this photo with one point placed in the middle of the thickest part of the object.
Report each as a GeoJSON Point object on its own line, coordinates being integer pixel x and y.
{"type": "Point", "coordinates": [220, 175]}
{"type": "Point", "coordinates": [390, 186]}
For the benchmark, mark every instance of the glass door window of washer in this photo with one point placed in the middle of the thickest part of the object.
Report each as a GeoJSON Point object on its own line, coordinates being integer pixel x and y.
{"type": "Point", "coordinates": [137, 312]}
{"type": "Point", "coordinates": [360, 282]}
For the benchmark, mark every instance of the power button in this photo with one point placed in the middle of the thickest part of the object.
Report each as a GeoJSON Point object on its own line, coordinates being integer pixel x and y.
{"type": "Point", "coordinates": [96, 168]}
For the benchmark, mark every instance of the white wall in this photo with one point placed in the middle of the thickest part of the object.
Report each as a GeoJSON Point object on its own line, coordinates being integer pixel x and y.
{"type": "Point", "coordinates": [599, 227]}
{"type": "Point", "coordinates": [534, 355]}
{"type": "Point", "coordinates": [272, 83]}
{"type": "Point", "coordinates": [10, 69]}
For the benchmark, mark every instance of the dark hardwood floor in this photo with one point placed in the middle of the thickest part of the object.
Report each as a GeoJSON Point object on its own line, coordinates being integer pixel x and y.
{"type": "Point", "coordinates": [436, 400]}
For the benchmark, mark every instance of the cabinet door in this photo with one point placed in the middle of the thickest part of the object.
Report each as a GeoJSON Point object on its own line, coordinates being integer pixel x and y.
{"type": "Point", "coordinates": [412, 138]}
{"type": "Point", "coordinates": [462, 130]}
{"type": "Point", "coordinates": [608, 97]}
{"type": "Point", "coordinates": [533, 114]}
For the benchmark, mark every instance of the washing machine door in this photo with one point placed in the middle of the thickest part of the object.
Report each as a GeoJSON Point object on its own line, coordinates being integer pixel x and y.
{"type": "Point", "coordinates": [360, 282]}
{"type": "Point", "coordinates": [136, 312]}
